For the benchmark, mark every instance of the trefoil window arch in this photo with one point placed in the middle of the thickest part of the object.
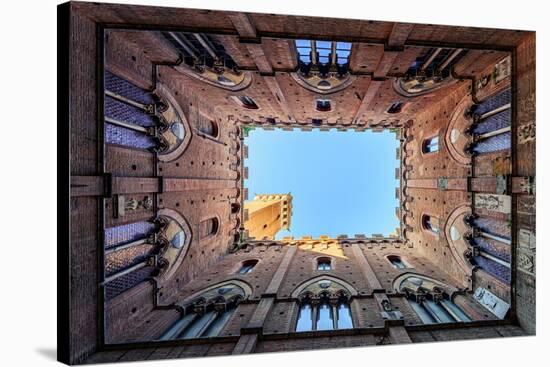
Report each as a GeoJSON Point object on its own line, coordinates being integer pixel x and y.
{"type": "Point", "coordinates": [324, 305]}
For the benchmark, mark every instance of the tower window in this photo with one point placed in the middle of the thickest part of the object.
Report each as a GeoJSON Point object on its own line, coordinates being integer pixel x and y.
{"type": "Point", "coordinates": [323, 105]}
{"type": "Point", "coordinates": [209, 227]}
{"type": "Point", "coordinates": [247, 102]}
{"type": "Point", "coordinates": [395, 107]}
{"type": "Point", "coordinates": [430, 224]}
{"type": "Point", "coordinates": [397, 262]}
{"type": "Point", "coordinates": [247, 266]}
{"type": "Point", "coordinates": [430, 145]}
{"type": "Point", "coordinates": [324, 263]}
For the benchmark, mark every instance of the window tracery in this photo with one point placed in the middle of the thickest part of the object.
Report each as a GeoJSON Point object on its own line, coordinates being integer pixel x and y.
{"type": "Point", "coordinates": [429, 71]}
{"type": "Point", "coordinates": [430, 299]}
{"type": "Point", "coordinates": [206, 59]}
{"type": "Point", "coordinates": [142, 119]}
{"type": "Point", "coordinates": [324, 305]}
{"type": "Point", "coordinates": [207, 313]}
{"type": "Point", "coordinates": [323, 65]}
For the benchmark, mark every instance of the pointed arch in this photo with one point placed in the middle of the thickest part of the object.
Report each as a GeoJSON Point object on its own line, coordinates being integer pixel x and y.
{"type": "Point", "coordinates": [338, 282]}
{"type": "Point", "coordinates": [426, 282]}
{"type": "Point", "coordinates": [244, 286]}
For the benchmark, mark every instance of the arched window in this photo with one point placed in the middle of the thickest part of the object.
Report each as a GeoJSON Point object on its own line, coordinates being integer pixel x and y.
{"type": "Point", "coordinates": [430, 224]}
{"type": "Point", "coordinates": [324, 263]}
{"type": "Point", "coordinates": [430, 145]}
{"type": "Point", "coordinates": [247, 266]}
{"type": "Point", "coordinates": [207, 314]}
{"type": "Point", "coordinates": [327, 314]}
{"type": "Point", "coordinates": [209, 227]}
{"type": "Point", "coordinates": [395, 107]}
{"type": "Point", "coordinates": [247, 102]}
{"type": "Point", "coordinates": [323, 105]}
{"type": "Point", "coordinates": [430, 301]}
{"type": "Point", "coordinates": [323, 52]}
{"type": "Point", "coordinates": [208, 127]}
{"type": "Point", "coordinates": [324, 305]}
{"type": "Point", "coordinates": [305, 317]}
{"type": "Point", "coordinates": [396, 262]}
{"type": "Point", "coordinates": [131, 248]}
{"type": "Point", "coordinates": [205, 58]}
{"type": "Point", "coordinates": [140, 119]}
{"type": "Point", "coordinates": [428, 72]}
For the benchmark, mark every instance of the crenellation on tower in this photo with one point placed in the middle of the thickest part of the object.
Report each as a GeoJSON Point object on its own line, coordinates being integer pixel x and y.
{"type": "Point", "coordinates": [267, 214]}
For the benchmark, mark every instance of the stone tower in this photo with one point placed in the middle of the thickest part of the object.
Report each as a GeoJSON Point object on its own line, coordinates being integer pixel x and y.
{"type": "Point", "coordinates": [267, 214]}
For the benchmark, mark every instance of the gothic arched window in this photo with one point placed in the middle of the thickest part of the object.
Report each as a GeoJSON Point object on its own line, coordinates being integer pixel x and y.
{"type": "Point", "coordinates": [137, 251]}
{"type": "Point", "coordinates": [323, 66]}
{"type": "Point", "coordinates": [324, 263]}
{"type": "Point", "coordinates": [430, 145]}
{"type": "Point", "coordinates": [324, 305]}
{"type": "Point", "coordinates": [204, 57]}
{"type": "Point", "coordinates": [140, 119]}
{"type": "Point", "coordinates": [431, 302]}
{"type": "Point", "coordinates": [492, 124]}
{"type": "Point", "coordinates": [206, 314]}
{"type": "Point", "coordinates": [247, 266]}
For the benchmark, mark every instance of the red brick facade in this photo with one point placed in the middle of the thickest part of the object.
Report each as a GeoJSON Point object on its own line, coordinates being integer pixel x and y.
{"type": "Point", "coordinates": [151, 232]}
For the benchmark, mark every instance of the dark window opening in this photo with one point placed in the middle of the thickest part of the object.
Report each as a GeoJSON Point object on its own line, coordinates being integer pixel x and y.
{"type": "Point", "coordinates": [247, 266]}
{"type": "Point", "coordinates": [235, 207]}
{"type": "Point", "coordinates": [430, 224]}
{"type": "Point", "coordinates": [397, 262]}
{"type": "Point", "coordinates": [324, 263]}
{"type": "Point", "coordinates": [323, 105]}
{"type": "Point", "coordinates": [248, 102]}
{"type": "Point", "coordinates": [395, 107]}
{"type": "Point", "coordinates": [209, 227]}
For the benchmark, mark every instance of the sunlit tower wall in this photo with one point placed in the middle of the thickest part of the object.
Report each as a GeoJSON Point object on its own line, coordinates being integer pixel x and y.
{"type": "Point", "coordinates": [267, 214]}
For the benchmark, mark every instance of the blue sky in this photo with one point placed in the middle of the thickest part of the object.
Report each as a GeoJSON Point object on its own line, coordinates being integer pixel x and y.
{"type": "Point", "coordinates": [341, 182]}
